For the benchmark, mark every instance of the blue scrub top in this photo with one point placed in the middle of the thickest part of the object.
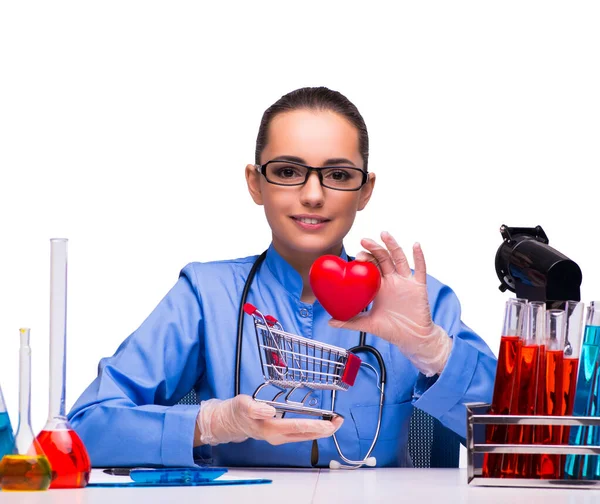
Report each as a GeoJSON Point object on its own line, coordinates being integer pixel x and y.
{"type": "Point", "coordinates": [128, 416]}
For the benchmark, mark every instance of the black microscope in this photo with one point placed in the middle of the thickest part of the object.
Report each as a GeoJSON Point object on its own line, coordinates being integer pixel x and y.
{"type": "Point", "coordinates": [529, 267]}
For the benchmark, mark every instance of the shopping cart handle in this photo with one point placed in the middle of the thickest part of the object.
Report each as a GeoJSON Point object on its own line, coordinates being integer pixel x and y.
{"type": "Point", "coordinates": [351, 369]}
{"type": "Point", "coordinates": [249, 308]}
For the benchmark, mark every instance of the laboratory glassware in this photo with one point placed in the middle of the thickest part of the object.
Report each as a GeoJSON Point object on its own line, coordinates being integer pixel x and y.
{"type": "Point", "coordinates": [63, 447]}
{"type": "Point", "coordinates": [7, 440]}
{"type": "Point", "coordinates": [504, 385]}
{"type": "Point", "coordinates": [548, 466]}
{"type": "Point", "coordinates": [574, 333]}
{"type": "Point", "coordinates": [27, 468]}
{"type": "Point", "coordinates": [583, 466]}
{"type": "Point", "coordinates": [532, 342]}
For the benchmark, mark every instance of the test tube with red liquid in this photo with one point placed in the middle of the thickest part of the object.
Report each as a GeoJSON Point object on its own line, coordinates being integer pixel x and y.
{"type": "Point", "coordinates": [519, 466]}
{"type": "Point", "coordinates": [550, 402]}
{"type": "Point", "coordinates": [67, 455]}
{"type": "Point", "coordinates": [506, 371]}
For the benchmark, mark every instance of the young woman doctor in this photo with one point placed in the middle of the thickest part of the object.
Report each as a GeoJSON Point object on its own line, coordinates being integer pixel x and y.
{"type": "Point", "coordinates": [128, 416]}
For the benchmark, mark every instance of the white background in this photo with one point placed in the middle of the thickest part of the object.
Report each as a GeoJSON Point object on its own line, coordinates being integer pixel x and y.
{"type": "Point", "coordinates": [126, 126]}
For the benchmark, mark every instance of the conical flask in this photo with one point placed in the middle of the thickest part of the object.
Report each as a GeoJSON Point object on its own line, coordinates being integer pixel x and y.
{"type": "Point", "coordinates": [69, 459]}
{"type": "Point", "coordinates": [27, 468]}
{"type": "Point", "coordinates": [7, 441]}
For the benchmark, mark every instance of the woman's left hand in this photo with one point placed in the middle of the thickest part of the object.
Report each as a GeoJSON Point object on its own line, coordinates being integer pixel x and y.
{"type": "Point", "coordinates": [400, 311]}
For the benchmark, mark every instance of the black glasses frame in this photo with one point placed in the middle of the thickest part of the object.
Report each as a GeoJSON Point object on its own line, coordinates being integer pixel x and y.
{"type": "Point", "coordinates": [263, 169]}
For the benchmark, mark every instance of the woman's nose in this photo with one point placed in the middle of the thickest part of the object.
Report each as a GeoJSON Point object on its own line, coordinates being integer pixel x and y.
{"type": "Point", "coordinates": [312, 191]}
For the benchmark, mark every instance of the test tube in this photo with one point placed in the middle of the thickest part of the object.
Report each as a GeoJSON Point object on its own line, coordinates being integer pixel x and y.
{"type": "Point", "coordinates": [519, 466]}
{"type": "Point", "coordinates": [549, 466]}
{"type": "Point", "coordinates": [574, 333]}
{"type": "Point", "coordinates": [586, 393]}
{"type": "Point", "coordinates": [508, 356]}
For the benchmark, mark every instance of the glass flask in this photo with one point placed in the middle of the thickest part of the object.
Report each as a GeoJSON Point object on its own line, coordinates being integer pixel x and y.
{"type": "Point", "coordinates": [66, 452]}
{"type": "Point", "coordinates": [7, 441]}
{"type": "Point", "coordinates": [27, 468]}
{"type": "Point", "coordinates": [504, 385]}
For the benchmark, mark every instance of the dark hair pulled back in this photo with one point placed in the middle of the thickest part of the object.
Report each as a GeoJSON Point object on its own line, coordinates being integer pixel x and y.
{"type": "Point", "coordinates": [314, 98]}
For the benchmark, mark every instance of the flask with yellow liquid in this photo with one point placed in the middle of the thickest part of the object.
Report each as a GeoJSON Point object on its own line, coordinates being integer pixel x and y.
{"type": "Point", "coordinates": [27, 468]}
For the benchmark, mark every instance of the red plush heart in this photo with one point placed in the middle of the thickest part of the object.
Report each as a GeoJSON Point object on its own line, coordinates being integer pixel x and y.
{"type": "Point", "coordinates": [344, 288]}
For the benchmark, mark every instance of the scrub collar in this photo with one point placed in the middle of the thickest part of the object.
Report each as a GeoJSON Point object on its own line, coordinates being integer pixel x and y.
{"type": "Point", "coordinates": [283, 272]}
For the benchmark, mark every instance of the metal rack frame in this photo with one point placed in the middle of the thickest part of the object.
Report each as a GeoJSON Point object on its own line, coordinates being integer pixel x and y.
{"type": "Point", "coordinates": [474, 476]}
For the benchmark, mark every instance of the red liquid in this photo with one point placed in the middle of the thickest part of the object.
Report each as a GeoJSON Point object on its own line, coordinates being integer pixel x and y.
{"type": "Point", "coordinates": [524, 404]}
{"type": "Point", "coordinates": [570, 368]}
{"type": "Point", "coordinates": [68, 457]}
{"type": "Point", "coordinates": [549, 466]}
{"type": "Point", "coordinates": [540, 405]}
{"type": "Point", "coordinates": [501, 402]}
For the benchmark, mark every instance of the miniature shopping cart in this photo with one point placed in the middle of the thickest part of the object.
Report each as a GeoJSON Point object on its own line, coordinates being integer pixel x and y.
{"type": "Point", "coordinates": [291, 362]}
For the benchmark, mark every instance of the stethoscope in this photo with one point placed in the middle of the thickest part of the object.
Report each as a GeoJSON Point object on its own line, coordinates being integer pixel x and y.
{"type": "Point", "coordinates": [361, 347]}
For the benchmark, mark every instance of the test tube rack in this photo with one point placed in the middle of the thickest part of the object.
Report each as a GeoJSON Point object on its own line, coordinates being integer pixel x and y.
{"type": "Point", "coordinates": [478, 418]}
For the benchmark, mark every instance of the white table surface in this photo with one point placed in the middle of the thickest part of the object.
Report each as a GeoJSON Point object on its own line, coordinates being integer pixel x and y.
{"type": "Point", "coordinates": [421, 486]}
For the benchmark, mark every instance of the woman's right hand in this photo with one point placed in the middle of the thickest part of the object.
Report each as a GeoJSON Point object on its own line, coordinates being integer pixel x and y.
{"type": "Point", "coordinates": [237, 419]}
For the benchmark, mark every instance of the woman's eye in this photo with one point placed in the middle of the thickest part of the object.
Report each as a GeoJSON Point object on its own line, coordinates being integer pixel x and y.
{"type": "Point", "coordinates": [287, 172]}
{"type": "Point", "coordinates": [339, 175]}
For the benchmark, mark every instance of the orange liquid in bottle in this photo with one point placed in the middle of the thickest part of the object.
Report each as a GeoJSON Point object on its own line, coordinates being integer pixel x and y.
{"type": "Point", "coordinates": [69, 459]}
{"type": "Point", "coordinates": [25, 472]}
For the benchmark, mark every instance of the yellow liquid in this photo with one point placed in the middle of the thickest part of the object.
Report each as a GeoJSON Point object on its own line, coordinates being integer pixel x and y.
{"type": "Point", "coordinates": [25, 472]}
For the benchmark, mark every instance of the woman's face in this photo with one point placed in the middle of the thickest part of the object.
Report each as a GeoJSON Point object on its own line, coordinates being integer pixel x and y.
{"type": "Point", "coordinates": [315, 138]}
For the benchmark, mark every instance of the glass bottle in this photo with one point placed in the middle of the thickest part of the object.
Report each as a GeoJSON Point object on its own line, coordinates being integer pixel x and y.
{"type": "Point", "coordinates": [27, 468]}
{"type": "Point", "coordinates": [63, 447]}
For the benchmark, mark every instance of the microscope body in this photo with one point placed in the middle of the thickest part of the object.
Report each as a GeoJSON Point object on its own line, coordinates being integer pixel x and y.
{"type": "Point", "coordinates": [529, 267]}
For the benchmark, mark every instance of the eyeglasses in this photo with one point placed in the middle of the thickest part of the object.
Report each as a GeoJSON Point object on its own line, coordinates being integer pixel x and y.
{"type": "Point", "coordinates": [290, 173]}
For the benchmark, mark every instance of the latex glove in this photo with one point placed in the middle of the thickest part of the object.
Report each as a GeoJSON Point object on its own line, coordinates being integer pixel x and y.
{"type": "Point", "coordinates": [237, 419]}
{"type": "Point", "coordinates": [400, 311]}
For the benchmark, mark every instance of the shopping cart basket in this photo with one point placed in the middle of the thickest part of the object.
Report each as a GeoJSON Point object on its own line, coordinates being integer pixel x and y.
{"type": "Point", "coordinates": [291, 362]}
